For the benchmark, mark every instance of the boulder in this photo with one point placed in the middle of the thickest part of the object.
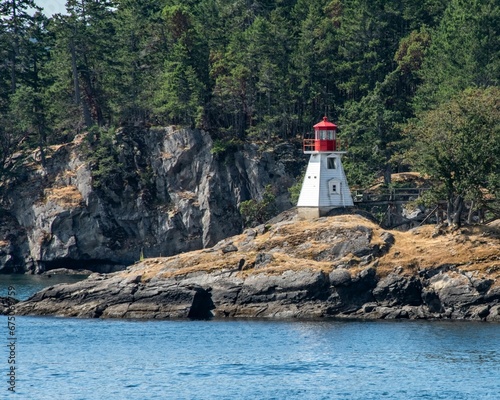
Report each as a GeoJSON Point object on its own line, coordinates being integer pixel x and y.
{"type": "Point", "coordinates": [455, 290]}
{"type": "Point", "coordinates": [395, 289]}
{"type": "Point", "coordinates": [340, 277]}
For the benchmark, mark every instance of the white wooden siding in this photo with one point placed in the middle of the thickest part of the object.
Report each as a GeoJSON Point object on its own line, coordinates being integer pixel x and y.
{"type": "Point", "coordinates": [315, 188]}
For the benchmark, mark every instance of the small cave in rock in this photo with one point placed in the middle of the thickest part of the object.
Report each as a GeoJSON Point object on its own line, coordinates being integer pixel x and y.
{"type": "Point", "coordinates": [202, 305]}
{"type": "Point", "coordinates": [93, 265]}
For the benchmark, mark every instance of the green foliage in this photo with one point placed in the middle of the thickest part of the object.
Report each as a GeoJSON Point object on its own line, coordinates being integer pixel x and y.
{"type": "Point", "coordinates": [457, 145]}
{"type": "Point", "coordinates": [371, 128]}
{"type": "Point", "coordinates": [246, 70]}
{"type": "Point", "coordinates": [256, 212]}
{"type": "Point", "coordinates": [102, 155]}
{"type": "Point", "coordinates": [259, 68]}
{"type": "Point", "coordinates": [181, 93]}
{"type": "Point", "coordinates": [294, 190]}
{"type": "Point", "coordinates": [225, 146]}
{"type": "Point", "coordinates": [465, 52]}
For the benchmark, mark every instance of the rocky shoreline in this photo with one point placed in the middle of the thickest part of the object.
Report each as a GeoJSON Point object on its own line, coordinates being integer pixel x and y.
{"type": "Point", "coordinates": [334, 267]}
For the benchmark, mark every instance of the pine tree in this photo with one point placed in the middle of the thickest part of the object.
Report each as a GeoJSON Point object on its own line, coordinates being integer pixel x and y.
{"type": "Point", "coordinates": [465, 52]}
{"type": "Point", "coordinates": [181, 94]}
{"type": "Point", "coordinates": [82, 61]}
{"type": "Point", "coordinates": [141, 48]}
{"type": "Point", "coordinates": [15, 18]}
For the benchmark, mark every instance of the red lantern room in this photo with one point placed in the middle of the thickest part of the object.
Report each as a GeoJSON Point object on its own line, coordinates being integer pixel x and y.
{"type": "Point", "coordinates": [325, 138]}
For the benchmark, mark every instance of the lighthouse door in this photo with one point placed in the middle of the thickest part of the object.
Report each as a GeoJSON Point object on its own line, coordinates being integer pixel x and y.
{"type": "Point", "coordinates": [334, 186]}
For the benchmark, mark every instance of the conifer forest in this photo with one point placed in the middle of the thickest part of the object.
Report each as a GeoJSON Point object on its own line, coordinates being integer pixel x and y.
{"type": "Point", "coordinates": [412, 85]}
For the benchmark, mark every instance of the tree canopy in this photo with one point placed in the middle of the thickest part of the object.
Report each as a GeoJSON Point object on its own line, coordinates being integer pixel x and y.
{"type": "Point", "coordinates": [257, 70]}
{"type": "Point", "coordinates": [457, 145]}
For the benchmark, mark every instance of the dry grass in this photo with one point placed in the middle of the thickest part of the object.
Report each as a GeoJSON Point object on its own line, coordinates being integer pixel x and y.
{"type": "Point", "coordinates": [294, 246]}
{"type": "Point", "coordinates": [66, 196]}
{"type": "Point", "coordinates": [472, 249]}
{"type": "Point", "coordinates": [411, 179]}
{"type": "Point", "coordinates": [284, 241]}
{"type": "Point", "coordinates": [186, 195]}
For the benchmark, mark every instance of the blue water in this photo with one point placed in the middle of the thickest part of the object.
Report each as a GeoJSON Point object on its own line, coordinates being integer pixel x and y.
{"type": "Point", "coordinates": [72, 359]}
{"type": "Point", "coordinates": [26, 285]}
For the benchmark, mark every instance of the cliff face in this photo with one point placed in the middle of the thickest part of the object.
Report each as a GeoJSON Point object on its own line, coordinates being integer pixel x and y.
{"type": "Point", "coordinates": [170, 194]}
{"type": "Point", "coordinates": [342, 266]}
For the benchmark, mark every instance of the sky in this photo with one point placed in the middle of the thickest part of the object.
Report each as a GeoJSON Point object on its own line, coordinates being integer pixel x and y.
{"type": "Point", "coordinates": [51, 7]}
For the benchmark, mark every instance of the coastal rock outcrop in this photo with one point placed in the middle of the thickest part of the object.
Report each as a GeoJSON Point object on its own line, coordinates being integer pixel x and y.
{"type": "Point", "coordinates": [154, 192]}
{"type": "Point", "coordinates": [299, 269]}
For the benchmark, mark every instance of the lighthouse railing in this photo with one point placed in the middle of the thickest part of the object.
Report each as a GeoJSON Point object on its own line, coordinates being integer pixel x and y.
{"type": "Point", "coordinates": [309, 145]}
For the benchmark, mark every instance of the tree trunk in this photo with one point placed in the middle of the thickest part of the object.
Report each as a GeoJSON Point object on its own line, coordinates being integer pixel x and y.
{"type": "Point", "coordinates": [76, 86]}
{"type": "Point", "coordinates": [471, 213]}
{"type": "Point", "coordinates": [388, 174]}
{"type": "Point", "coordinates": [458, 209]}
{"type": "Point", "coordinates": [39, 115]}
{"type": "Point", "coordinates": [449, 211]}
{"type": "Point", "coordinates": [15, 49]}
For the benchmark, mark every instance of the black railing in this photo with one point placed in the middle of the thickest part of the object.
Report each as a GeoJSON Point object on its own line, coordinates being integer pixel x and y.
{"type": "Point", "coordinates": [387, 195]}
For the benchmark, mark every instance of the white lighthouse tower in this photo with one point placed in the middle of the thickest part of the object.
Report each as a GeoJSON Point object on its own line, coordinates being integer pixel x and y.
{"type": "Point", "coordinates": [325, 184]}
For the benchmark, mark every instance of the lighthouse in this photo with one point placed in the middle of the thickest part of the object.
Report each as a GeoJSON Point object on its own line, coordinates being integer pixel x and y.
{"type": "Point", "coordinates": [325, 184]}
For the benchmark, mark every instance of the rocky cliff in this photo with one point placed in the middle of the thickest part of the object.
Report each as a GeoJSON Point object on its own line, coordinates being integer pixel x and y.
{"type": "Point", "coordinates": [340, 266]}
{"type": "Point", "coordinates": [165, 193]}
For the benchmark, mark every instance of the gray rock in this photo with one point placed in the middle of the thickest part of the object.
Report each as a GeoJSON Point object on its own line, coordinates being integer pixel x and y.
{"type": "Point", "coordinates": [355, 241]}
{"type": "Point", "coordinates": [7, 305]}
{"type": "Point", "coordinates": [494, 314]}
{"type": "Point", "coordinates": [229, 248]}
{"type": "Point", "coordinates": [340, 277]}
{"type": "Point", "coordinates": [482, 285]}
{"type": "Point", "coordinates": [388, 238]}
{"type": "Point", "coordinates": [117, 298]}
{"type": "Point", "coordinates": [478, 312]}
{"type": "Point", "coordinates": [290, 286]}
{"type": "Point", "coordinates": [432, 301]}
{"type": "Point", "coordinates": [395, 289]}
{"type": "Point", "coordinates": [349, 299]}
{"type": "Point", "coordinates": [455, 291]}
{"type": "Point", "coordinates": [174, 196]}
{"type": "Point", "coordinates": [262, 259]}
{"type": "Point", "coordinates": [493, 295]}
{"type": "Point", "coordinates": [67, 271]}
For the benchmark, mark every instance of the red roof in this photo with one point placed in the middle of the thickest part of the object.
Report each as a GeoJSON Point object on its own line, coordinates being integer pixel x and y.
{"type": "Point", "coordinates": [325, 125]}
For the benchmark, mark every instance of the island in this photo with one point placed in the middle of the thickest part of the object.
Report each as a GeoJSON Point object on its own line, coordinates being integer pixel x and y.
{"type": "Point", "coordinates": [339, 266]}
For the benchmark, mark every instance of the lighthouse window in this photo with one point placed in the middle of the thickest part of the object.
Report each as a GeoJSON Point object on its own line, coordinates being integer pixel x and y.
{"type": "Point", "coordinates": [331, 163]}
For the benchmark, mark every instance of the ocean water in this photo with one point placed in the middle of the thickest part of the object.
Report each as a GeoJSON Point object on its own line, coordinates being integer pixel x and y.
{"type": "Point", "coordinates": [70, 359]}
{"type": "Point", "coordinates": [27, 285]}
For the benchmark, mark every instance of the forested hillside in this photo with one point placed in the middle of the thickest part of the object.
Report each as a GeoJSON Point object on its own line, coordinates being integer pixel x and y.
{"type": "Point", "coordinates": [412, 84]}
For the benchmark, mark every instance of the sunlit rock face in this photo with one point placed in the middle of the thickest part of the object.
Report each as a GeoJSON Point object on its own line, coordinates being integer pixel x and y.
{"type": "Point", "coordinates": [168, 193]}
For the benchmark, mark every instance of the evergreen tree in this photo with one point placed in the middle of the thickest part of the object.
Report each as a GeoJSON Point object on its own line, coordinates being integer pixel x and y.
{"type": "Point", "coordinates": [181, 94]}
{"type": "Point", "coordinates": [15, 18]}
{"type": "Point", "coordinates": [141, 47]}
{"type": "Point", "coordinates": [83, 58]}
{"type": "Point", "coordinates": [23, 115]}
{"type": "Point", "coordinates": [314, 61]}
{"type": "Point", "coordinates": [465, 52]}
{"type": "Point", "coordinates": [28, 104]}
